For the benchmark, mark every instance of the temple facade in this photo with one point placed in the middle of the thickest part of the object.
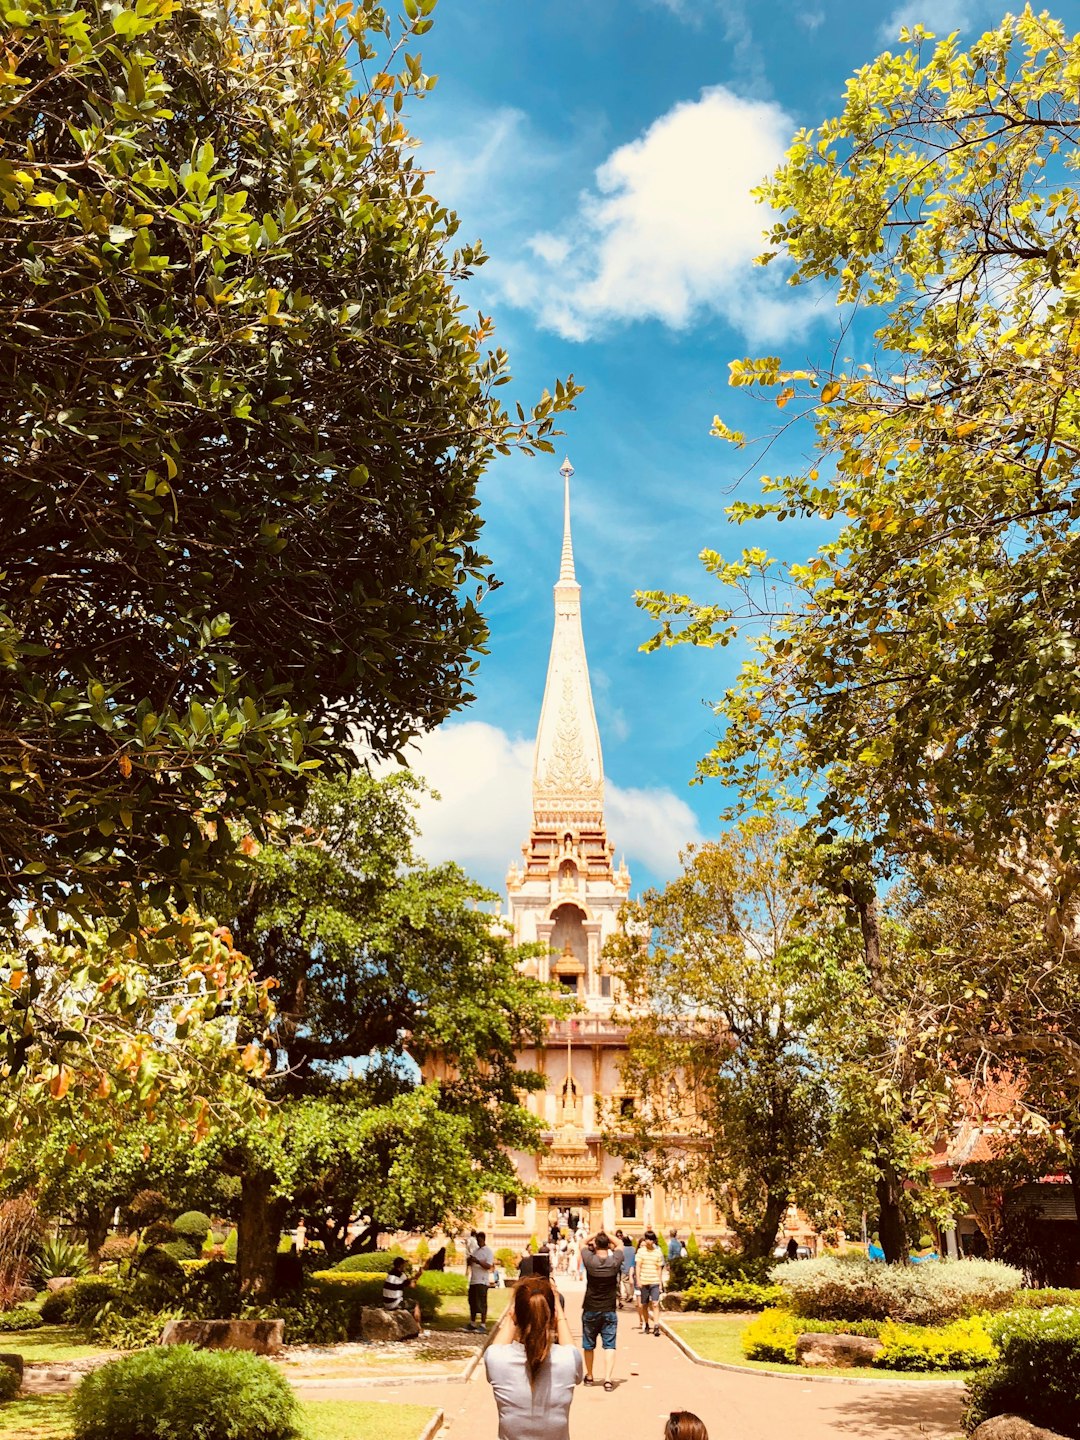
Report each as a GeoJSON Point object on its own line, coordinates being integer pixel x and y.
{"type": "Point", "coordinates": [565, 894]}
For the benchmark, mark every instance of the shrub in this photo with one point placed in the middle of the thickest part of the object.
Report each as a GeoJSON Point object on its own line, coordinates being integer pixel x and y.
{"type": "Point", "coordinates": [192, 1225]}
{"type": "Point", "coordinates": [88, 1297]}
{"type": "Point", "coordinates": [1044, 1299]}
{"type": "Point", "coordinates": [19, 1319]}
{"type": "Point", "coordinates": [735, 1295]}
{"type": "Point", "coordinates": [54, 1308]}
{"type": "Point", "coordinates": [1037, 1373]}
{"type": "Point", "coordinates": [423, 1250]}
{"type": "Point", "coordinates": [693, 1249]}
{"type": "Point", "coordinates": [175, 1393]}
{"type": "Point", "coordinates": [178, 1250]}
{"type": "Point", "coordinates": [377, 1262]}
{"type": "Point", "coordinates": [962, 1345]}
{"type": "Point", "coordinates": [451, 1253]}
{"type": "Point", "coordinates": [359, 1289]}
{"type": "Point", "coordinates": [59, 1255]}
{"type": "Point", "coordinates": [717, 1266]}
{"type": "Point", "coordinates": [232, 1241]}
{"type": "Point", "coordinates": [854, 1288]}
{"type": "Point", "coordinates": [117, 1248]}
{"type": "Point", "coordinates": [771, 1337]}
{"type": "Point", "coordinates": [312, 1319]}
{"type": "Point", "coordinates": [506, 1258]}
{"type": "Point", "coordinates": [443, 1282]}
{"type": "Point", "coordinates": [9, 1383]}
{"type": "Point", "coordinates": [144, 1208]}
{"type": "Point", "coordinates": [117, 1331]}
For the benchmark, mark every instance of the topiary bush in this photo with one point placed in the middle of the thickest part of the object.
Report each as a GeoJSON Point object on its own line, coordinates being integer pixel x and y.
{"type": "Point", "coordinates": [377, 1262]}
{"type": "Point", "coordinates": [193, 1225]}
{"type": "Point", "coordinates": [443, 1282]}
{"type": "Point", "coordinates": [10, 1383]}
{"type": "Point", "coordinates": [1036, 1374]}
{"type": "Point", "coordinates": [232, 1242]}
{"type": "Point", "coordinates": [771, 1337]}
{"type": "Point", "coordinates": [961, 1345]}
{"type": "Point", "coordinates": [54, 1308]}
{"type": "Point", "coordinates": [19, 1319]}
{"type": "Point", "coordinates": [735, 1295]}
{"type": "Point", "coordinates": [851, 1287]}
{"type": "Point", "coordinates": [176, 1393]}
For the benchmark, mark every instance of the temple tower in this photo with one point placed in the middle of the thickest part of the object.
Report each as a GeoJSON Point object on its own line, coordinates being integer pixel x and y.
{"type": "Point", "coordinates": [566, 893]}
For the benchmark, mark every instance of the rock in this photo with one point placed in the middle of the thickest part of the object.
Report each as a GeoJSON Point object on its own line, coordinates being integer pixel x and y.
{"type": "Point", "coordinates": [261, 1337]}
{"type": "Point", "coordinates": [378, 1324]}
{"type": "Point", "coordinates": [671, 1300]}
{"type": "Point", "coordinates": [835, 1350]}
{"type": "Point", "coordinates": [1011, 1427]}
{"type": "Point", "coordinates": [13, 1362]}
{"type": "Point", "coordinates": [59, 1282]}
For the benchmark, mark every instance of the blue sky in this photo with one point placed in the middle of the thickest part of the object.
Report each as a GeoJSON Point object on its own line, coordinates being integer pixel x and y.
{"type": "Point", "coordinates": [604, 152]}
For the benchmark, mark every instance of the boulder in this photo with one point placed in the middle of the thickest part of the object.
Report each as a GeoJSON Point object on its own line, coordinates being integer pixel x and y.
{"type": "Point", "coordinates": [13, 1362]}
{"type": "Point", "coordinates": [261, 1337]}
{"type": "Point", "coordinates": [837, 1351]}
{"type": "Point", "coordinates": [59, 1282]}
{"type": "Point", "coordinates": [1011, 1427]}
{"type": "Point", "coordinates": [671, 1300]}
{"type": "Point", "coordinates": [379, 1324]}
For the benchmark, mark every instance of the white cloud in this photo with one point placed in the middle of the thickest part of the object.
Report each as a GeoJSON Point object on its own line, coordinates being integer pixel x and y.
{"type": "Point", "coordinates": [940, 17]}
{"type": "Point", "coordinates": [484, 778]}
{"type": "Point", "coordinates": [671, 230]}
{"type": "Point", "coordinates": [811, 19]}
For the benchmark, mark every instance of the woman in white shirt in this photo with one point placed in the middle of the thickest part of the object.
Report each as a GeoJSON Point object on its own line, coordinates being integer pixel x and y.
{"type": "Point", "coordinates": [533, 1365]}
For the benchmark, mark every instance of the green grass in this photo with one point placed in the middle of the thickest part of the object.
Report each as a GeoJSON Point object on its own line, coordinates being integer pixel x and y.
{"type": "Point", "coordinates": [718, 1338]}
{"type": "Point", "coordinates": [454, 1310]}
{"type": "Point", "coordinates": [46, 1417]}
{"type": "Point", "coordinates": [51, 1342]}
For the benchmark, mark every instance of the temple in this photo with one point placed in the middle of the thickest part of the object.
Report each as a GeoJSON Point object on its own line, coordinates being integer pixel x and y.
{"type": "Point", "coordinates": [566, 894]}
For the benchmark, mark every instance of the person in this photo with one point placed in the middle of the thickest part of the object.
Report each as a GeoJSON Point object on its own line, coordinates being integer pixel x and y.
{"type": "Point", "coordinates": [599, 1309]}
{"type": "Point", "coordinates": [675, 1246]}
{"type": "Point", "coordinates": [792, 1249]}
{"type": "Point", "coordinates": [480, 1264]}
{"type": "Point", "coordinates": [533, 1365]}
{"type": "Point", "coordinates": [437, 1261]}
{"type": "Point", "coordinates": [874, 1250]}
{"type": "Point", "coordinates": [682, 1425]}
{"type": "Point", "coordinates": [393, 1290]}
{"type": "Point", "coordinates": [626, 1278]}
{"type": "Point", "coordinates": [648, 1273]}
{"type": "Point", "coordinates": [525, 1265]}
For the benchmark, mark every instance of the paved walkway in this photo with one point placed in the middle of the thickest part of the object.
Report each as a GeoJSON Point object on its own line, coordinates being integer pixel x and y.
{"type": "Point", "coordinates": [653, 1378]}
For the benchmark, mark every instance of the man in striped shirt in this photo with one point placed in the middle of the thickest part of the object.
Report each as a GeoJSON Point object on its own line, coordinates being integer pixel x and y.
{"type": "Point", "coordinates": [393, 1290]}
{"type": "Point", "coordinates": [648, 1273]}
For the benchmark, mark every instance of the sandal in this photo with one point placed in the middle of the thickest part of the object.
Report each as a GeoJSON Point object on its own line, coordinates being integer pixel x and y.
{"type": "Point", "coordinates": [609, 1385]}
{"type": "Point", "coordinates": [589, 1380]}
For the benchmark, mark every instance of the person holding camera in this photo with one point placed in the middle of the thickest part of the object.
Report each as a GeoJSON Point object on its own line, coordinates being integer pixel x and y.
{"type": "Point", "coordinates": [600, 1310]}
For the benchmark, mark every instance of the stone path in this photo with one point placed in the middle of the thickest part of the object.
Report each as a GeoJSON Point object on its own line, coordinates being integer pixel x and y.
{"type": "Point", "coordinates": [653, 1378]}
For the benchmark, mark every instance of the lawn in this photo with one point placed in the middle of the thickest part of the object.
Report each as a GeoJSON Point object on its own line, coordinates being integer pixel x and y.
{"type": "Point", "coordinates": [45, 1417]}
{"type": "Point", "coordinates": [50, 1342]}
{"type": "Point", "coordinates": [717, 1337]}
{"type": "Point", "coordinates": [454, 1309]}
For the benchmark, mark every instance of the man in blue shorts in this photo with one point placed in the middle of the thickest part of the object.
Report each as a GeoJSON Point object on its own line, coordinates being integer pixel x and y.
{"type": "Point", "coordinates": [599, 1313]}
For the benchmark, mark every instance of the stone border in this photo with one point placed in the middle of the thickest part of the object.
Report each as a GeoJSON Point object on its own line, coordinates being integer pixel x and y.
{"type": "Point", "coordinates": [807, 1373]}
{"type": "Point", "coordinates": [434, 1425]}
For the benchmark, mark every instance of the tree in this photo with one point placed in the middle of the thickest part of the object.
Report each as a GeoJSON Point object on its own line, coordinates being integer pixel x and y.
{"type": "Point", "coordinates": [918, 690]}
{"type": "Point", "coordinates": [389, 969]}
{"type": "Point", "coordinates": [720, 983]}
{"type": "Point", "coordinates": [243, 419]}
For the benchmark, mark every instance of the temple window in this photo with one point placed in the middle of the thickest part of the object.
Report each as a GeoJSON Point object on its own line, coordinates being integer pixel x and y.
{"type": "Point", "coordinates": [510, 1207]}
{"type": "Point", "coordinates": [605, 986]}
{"type": "Point", "coordinates": [626, 1107]}
{"type": "Point", "coordinates": [629, 1207]}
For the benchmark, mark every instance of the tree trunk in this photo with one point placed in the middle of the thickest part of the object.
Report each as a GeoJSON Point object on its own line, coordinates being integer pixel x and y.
{"type": "Point", "coordinates": [257, 1234]}
{"type": "Point", "coordinates": [760, 1242]}
{"type": "Point", "coordinates": [94, 1223]}
{"type": "Point", "coordinates": [890, 1215]}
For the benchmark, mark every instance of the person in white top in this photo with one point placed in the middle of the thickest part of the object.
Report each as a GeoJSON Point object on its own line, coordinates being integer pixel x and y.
{"type": "Point", "coordinates": [481, 1264]}
{"type": "Point", "coordinates": [533, 1365]}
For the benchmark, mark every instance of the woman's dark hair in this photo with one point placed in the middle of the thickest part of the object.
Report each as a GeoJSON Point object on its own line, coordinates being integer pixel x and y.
{"type": "Point", "coordinates": [682, 1425]}
{"type": "Point", "coordinates": [534, 1316]}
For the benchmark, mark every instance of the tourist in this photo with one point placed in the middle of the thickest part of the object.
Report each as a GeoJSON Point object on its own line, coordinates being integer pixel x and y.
{"type": "Point", "coordinates": [525, 1265]}
{"type": "Point", "coordinates": [792, 1249]}
{"type": "Point", "coordinates": [481, 1263]}
{"type": "Point", "coordinates": [648, 1273]}
{"type": "Point", "coordinates": [393, 1290]}
{"type": "Point", "coordinates": [532, 1365]}
{"type": "Point", "coordinates": [874, 1250]}
{"type": "Point", "coordinates": [682, 1425]}
{"type": "Point", "coordinates": [599, 1310]}
{"type": "Point", "coordinates": [674, 1246]}
{"type": "Point", "coordinates": [626, 1278]}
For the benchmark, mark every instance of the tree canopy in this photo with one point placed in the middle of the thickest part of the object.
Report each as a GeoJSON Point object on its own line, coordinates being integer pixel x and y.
{"type": "Point", "coordinates": [243, 416]}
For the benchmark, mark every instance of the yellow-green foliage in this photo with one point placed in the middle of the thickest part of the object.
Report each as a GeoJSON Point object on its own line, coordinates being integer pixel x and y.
{"type": "Point", "coordinates": [963, 1345]}
{"type": "Point", "coordinates": [771, 1336]}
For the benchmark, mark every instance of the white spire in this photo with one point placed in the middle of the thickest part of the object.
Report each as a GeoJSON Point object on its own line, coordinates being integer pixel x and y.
{"type": "Point", "coordinates": [566, 568]}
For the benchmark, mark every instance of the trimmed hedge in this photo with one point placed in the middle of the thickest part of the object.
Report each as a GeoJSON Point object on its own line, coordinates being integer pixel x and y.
{"type": "Point", "coordinates": [193, 1225]}
{"type": "Point", "coordinates": [176, 1393]}
{"type": "Point", "coordinates": [771, 1337]}
{"type": "Point", "coordinates": [1044, 1299]}
{"type": "Point", "coordinates": [378, 1262]}
{"type": "Point", "coordinates": [962, 1345]}
{"type": "Point", "coordinates": [1037, 1373]}
{"type": "Point", "coordinates": [734, 1295]}
{"type": "Point", "coordinates": [852, 1287]}
{"type": "Point", "coordinates": [443, 1282]}
{"type": "Point", "coordinates": [358, 1290]}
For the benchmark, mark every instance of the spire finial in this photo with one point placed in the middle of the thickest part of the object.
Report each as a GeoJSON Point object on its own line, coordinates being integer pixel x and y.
{"type": "Point", "coordinates": [566, 568]}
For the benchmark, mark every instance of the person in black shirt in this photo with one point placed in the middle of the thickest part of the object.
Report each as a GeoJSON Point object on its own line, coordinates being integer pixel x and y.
{"type": "Point", "coordinates": [599, 1313]}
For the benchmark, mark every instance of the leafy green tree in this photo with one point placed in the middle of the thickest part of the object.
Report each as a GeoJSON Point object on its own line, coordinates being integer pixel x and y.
{"type": "Point", "coordinates": [721, 988]}
{"type": "Point", "coordinates": [391, 970]}
{"type": "Point", "coordinates": [916, 688]}
{"type": "Point", "coordinates": [243, 418]}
